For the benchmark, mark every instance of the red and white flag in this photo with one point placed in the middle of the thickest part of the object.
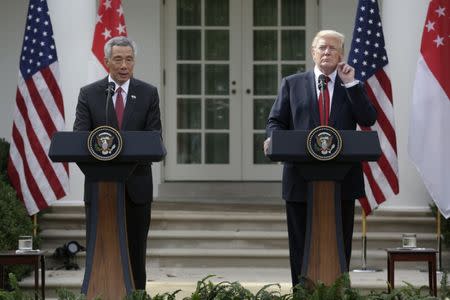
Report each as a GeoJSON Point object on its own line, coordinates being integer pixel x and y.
{"type": "Point", "coordinates": [369, 57]}
{"type": "Point", "coordinates": [429, 130]}
{"type": "Point", "coordinates": [39, 113]}
{"type": "Point", "coordinates": [110, 22]}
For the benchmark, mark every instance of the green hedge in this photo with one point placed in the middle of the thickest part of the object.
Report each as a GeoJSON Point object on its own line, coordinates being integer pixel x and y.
{"type": "Point", "coordinates": [4, 152]}
{"type": "Point", "coordinates": [14, 219]}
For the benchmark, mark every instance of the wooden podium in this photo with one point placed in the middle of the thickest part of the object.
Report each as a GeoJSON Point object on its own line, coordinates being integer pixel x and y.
{"type": "Point", "coordinates": [324, 255]}
{"type": "Point", "coordinates": [108, 271]}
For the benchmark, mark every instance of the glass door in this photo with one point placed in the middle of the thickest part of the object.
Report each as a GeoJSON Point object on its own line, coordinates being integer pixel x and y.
{"type": "Point", "coordinates": [224, 62]}
{"type": "Point", "coordinates": [276, 41]}
{"type": "Point", "coordinates": [203, 103]}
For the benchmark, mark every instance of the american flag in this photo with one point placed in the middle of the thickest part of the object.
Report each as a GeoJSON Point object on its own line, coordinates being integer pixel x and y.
{"type": "Point", "coordinates": [39, 113]}
{"type": "Point", "coordinates": [110, 23]}
{"type": "Point", "coordinates": [369, 58]}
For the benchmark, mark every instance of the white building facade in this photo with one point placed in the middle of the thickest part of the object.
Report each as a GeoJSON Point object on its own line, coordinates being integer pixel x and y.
{"type": "Point", "coordinates": [217, 65]}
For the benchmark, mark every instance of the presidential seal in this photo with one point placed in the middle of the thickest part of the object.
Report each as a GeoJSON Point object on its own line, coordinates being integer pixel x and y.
{"type": "Point", "coordinates": [324, 143]}
{"type": "Point", "coordinates": [104, 143]}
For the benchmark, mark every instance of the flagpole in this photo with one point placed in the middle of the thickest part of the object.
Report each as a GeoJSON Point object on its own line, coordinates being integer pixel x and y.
{"type": "Point", "coordinates": [364, 268]}
{"type": "Point", "coordinates": [439, 240]}
{"type": "Point", "coordinates": [35, 225]}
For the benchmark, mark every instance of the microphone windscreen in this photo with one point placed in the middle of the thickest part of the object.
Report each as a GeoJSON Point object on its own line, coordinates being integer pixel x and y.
{"type": "Point", "coordinates": [322, 81]}
{"type": "Point", "coordinates": [111, 87]}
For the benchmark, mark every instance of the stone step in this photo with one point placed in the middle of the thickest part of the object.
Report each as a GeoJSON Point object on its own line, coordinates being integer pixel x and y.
{"type": "Point", "coordinates": [217, 219]}
{"type": "Point", "coordinates": [236, 238]}
{"type": "Point", "coordinates": [166, 239]}
{"type": "Point", "coordinates": [238, 258]}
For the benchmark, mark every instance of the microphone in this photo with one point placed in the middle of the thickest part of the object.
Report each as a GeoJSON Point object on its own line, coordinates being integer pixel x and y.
{"type": "Point", "coordinates": [109, 92]}
{"type": "Point", "coordinates": [322, 85]}
{"type": "Point", "coordinates": [322, 82]}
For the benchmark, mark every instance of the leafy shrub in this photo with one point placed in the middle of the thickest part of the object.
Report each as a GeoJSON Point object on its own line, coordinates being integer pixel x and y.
{"type": "Point", "coordinates": [206, 290]}
{"type": "Point", "coordinates": [16, 293]}
{"type": "Point", "coordinates": [14, 219]}
{"type": "Point", "coordinates": [4, 152]}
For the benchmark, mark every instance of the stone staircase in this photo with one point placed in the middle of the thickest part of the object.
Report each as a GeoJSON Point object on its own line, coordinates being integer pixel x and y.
{"type": "Point", "coordinates": [238, 238]}
{"type": "Point", "coordinates": [194, 235]}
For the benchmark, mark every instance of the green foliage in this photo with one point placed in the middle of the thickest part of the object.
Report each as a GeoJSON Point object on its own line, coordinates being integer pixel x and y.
{"type": "Point", "coordinates": [405, 293]}
{"type": "Point", "coordinates": [16, 293]}
{"type": "Point", "coordinates": [445, 289]}
{"type": "Point", "coordinates": [14, 222]}
{"type": "Point", "coordinates": [14, 219]}
{"type": "Point", "coordinates": [340, 289]}
{"type": "Point", "coordinates": [64, 294]}
{"type": "Point", "coordinates": [207, 290]}
{"type": "Point", "coordinates": [4, 152]}
{"type": "Point", "coordinates": [165, 296]}
{"type": "Point", "coordinates": [221, 291]}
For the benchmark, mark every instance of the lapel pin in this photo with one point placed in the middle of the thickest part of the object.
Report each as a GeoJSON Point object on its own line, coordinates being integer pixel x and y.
{"type": "Point", "coordinates": [133, 97]}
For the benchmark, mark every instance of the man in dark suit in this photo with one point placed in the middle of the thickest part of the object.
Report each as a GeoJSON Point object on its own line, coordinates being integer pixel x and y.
{"type": "Point", "coordinates": [297, 108]}
{"type": "Point", "coordinates": [139, 110]}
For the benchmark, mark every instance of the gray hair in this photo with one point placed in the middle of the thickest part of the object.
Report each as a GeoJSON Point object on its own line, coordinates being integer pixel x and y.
{"type": "Point", "coordinates": [329, 33]}
{"type": "Point", "coordinates": [119, 41]}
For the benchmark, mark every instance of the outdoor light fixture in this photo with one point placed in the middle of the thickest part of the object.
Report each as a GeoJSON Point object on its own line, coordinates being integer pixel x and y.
{"type": "Point", "coordinates": [73, 247]}
{"type": "Point", "coordinates": [67, 252]}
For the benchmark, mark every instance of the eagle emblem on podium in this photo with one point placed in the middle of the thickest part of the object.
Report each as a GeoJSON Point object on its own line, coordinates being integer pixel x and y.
{"type": "Point", "coordinates": [324, 143]}
{"type": "Point", "coordinates": [105, 143]}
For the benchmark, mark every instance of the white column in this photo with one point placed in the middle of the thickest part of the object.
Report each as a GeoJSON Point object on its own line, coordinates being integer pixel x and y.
{"type": "Point", "coordinates": [12, 28]}
{"type": "Point", "coordinates": [73, 26]}
{"type": "Point", "coordinates": [403, 22]}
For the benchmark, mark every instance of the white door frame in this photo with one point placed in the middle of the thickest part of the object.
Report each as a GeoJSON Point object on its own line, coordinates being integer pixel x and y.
{"type": "Point", "coordinates": [241, 166]}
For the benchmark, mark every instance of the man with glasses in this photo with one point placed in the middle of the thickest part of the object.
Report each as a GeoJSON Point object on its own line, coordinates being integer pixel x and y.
{"type": "Point", "coordinates": [134, 107]}
{"type": "Point", "coordinates": [300, 105]}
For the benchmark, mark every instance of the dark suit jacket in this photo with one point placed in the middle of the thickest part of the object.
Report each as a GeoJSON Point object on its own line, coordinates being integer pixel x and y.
{"type": "Point", "coordinates": [141, 113]}
{"type": "Point", "coordinates": [296, 108]}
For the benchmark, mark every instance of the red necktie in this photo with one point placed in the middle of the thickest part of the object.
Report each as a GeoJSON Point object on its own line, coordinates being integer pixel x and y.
{"type": "Point", "coordinates": [119, 106]}
{"type": "Point", "coordinates": [324, 102]}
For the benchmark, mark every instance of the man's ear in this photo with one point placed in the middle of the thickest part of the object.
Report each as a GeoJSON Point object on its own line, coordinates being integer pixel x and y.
{"type": "Point", "coordinates": [312, 51]}
{"type": "Point", "coordinates": [105, 60]}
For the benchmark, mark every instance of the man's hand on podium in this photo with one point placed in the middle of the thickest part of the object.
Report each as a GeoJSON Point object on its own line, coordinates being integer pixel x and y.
{"type": "Point", "coordinates": [266, 146]}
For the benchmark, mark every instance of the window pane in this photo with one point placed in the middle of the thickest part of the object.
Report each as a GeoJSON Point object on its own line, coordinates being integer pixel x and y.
{"type": "Point", "coordinates": [189, 79]}
{"type": "Point", "coordinates": [293, 12]}
{"type": "Point", "coordinates": [265, 79]}
{"type": "Point", "coordinates": [217, 44]}
{"type": "Point", "coordinates": [265, 12]}
{"type": "Point", "coordinates": [189, 148]}
{"type": "Point", "coordinates": [258, 152]}
{"type": "Point", "coordinates": [217, 12]}
{"type": "Point", "coordinates": [217, 114]}
{"type": "Point", "coordinates": [217, 79]}
{"type": "Point", "coordinates": [293, 45]}
{"type": "Point", "coordinates": [261, 110]}
{"type": "Point", "coordinates": [189, 45]}
{"type": "Point", "coordinates": [189, 114]}
{"type": "Point", "coordinates": [265, 45]}
{"type": "Point", "coordinates": [287, 70]}
{"type": "Point", "coordinates": [217, 148]}
{"type": "Point", "coordinates": [188, 12]}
